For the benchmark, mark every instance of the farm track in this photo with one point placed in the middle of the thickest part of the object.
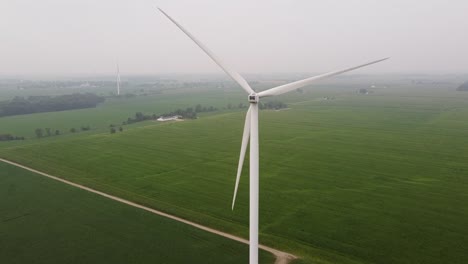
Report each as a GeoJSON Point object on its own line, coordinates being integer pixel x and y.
{"type": "Point", "coordinates": [281, 257]}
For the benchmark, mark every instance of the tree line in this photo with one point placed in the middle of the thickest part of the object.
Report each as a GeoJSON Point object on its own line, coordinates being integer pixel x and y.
{"type": "Point", "coordinates": [272, 105]}
{"type": "Point", "coordinates": [9, 137]}
{"type": "Point", "coordinates": [48, 132]}
{"type": "Point", "coordinates": [267, 105]}
{"type": "Point", "coordinates": [36, 104]}
{"type": "Point", "coordinates": [113, 129]}
{"type": "Point", "coordinates": [188, 113]}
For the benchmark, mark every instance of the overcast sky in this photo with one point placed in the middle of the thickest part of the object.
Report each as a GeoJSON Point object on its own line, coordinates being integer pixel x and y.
{"type": "Point", "coordinates": [88, 36]}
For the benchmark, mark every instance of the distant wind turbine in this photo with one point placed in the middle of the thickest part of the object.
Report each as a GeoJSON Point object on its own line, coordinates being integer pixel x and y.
{"type": "Point", "coordinates": [118, 79]}
{"type": "Point", "coordinates": [251, 130]}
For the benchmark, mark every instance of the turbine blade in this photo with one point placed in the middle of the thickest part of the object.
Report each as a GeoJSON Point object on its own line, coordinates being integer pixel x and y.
{"type": "Point", "coordinates": [118, 73]}
{"type": "Point", "coordinates": [245, 140]}
{"type": "Point", "coordinates": [234, 75]}
{"type": "Point", "coordinates": [298, 84]}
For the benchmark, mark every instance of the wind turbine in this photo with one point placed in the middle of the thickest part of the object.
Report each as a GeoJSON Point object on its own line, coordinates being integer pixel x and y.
{"type": "Point", "coordinates": [251, 130]}
{"type": "Point", "coordinates": [118, 79]}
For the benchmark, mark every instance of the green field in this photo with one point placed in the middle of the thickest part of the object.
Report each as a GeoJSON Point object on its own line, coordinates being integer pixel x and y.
{"type": "Point", "coordinates": [112, 111]}
{"type": "Point", "coordinates": [44, 221]}
{"type": "Point", "coordinates": [380, 178]}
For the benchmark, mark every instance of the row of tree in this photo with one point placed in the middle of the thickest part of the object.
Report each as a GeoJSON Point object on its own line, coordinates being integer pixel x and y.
{"type": "Point", "coordinates": [139, 116]}
{"type": "Point", "coordinates": [36, 104]}
{"type": "Point", "coordinates": [272, 105]}
{"type": "Point", "coordinates": [82, 128]}
{"type": "Point", "coordinates": [268, 105]}
{"type": "Point", "coordinates": [48, 132]}
{"type": "Point", "coordinates": [191, 112]}
{"type": "Point", "coordinates": [188, 113]}
{"type": "Point", "coordinates": [9, 137]}
{"type": "Point", "coordinates": [240, 105]}
{"type": "Point", "coordinates": [113, 129]}
{"type": "Point", "coordinates": [200, 109]}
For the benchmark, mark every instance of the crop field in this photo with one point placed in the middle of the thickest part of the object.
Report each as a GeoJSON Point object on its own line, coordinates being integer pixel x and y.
{"type": "Point", "coordinates": [377, 178]}
{"type": "Point", "coordinates": [43, 221]}
{"type": "Point", "coordinates": [113, 111]}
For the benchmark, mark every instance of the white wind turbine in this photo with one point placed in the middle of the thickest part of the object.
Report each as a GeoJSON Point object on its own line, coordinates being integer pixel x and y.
{"type": "Point", "coordinates": [118, 79]}
{"type": "Point", "coordinates": [251, 130]}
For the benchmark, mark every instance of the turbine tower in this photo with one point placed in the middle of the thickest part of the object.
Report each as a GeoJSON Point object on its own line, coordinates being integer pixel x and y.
{"type": "Point", "coordinates": [251, 131]}
{"type": "Point", "coordinates": [118, 79]}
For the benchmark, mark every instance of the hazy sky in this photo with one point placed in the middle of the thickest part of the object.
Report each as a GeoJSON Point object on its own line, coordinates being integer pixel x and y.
{"type": "Point", "coordinates": [88, 36]}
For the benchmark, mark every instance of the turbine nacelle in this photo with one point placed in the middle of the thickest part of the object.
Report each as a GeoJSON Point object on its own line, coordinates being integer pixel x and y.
{"type": "Point", "coordinates": [253, 98]}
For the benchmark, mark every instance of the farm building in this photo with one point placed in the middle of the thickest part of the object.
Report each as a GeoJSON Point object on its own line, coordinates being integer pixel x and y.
{"type": "Point", "coordinates": [168, 118]}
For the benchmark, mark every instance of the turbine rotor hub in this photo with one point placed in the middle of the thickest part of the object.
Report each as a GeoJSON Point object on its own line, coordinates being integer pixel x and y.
{"type": "Point", "coordinates": [253, 98]}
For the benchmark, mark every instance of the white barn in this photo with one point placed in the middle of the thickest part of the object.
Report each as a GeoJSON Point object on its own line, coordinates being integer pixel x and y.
{"type": "Point", "coordinates": [168, 118]}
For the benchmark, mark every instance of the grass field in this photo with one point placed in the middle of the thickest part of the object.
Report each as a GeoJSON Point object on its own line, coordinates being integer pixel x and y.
{"type": "Point", "coordinates": [43, 221]}
{"type": "Point", "coordinates": [358, 179]}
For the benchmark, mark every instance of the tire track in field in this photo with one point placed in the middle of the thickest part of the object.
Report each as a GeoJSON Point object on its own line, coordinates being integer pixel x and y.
{"type": "Point", "coordinates": [281, 256]}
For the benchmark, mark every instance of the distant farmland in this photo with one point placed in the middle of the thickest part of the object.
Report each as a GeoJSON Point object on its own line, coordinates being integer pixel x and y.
{"type": "Point", "coordinates": [345, 178]}
{"type": "Point", "coordinates": [44, 221]}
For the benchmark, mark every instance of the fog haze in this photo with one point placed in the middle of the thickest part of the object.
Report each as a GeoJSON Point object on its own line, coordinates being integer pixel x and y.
{"type": "Point", "coordinates": [88, 37]}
